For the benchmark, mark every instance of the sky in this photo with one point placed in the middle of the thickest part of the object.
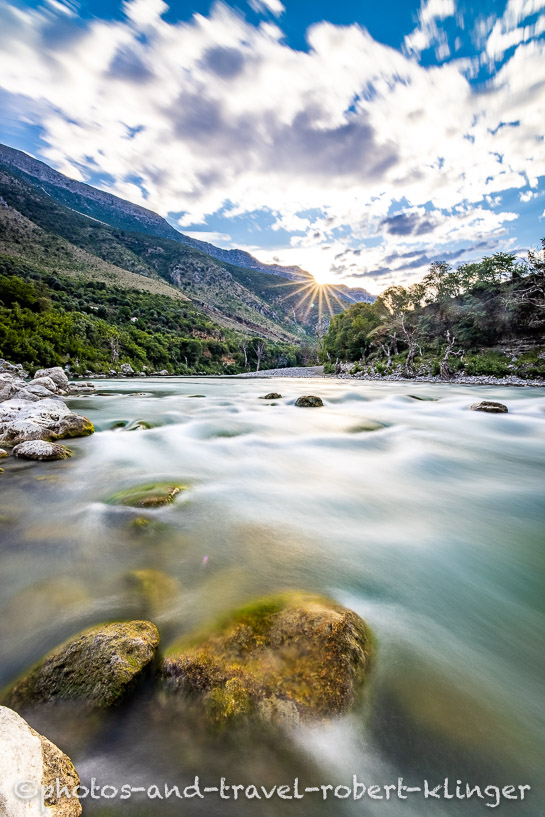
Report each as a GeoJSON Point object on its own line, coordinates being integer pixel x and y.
{"type": "Point", "coordinates": [359, 139]}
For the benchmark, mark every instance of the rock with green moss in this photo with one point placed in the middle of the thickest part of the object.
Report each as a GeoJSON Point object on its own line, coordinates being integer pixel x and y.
{"type": "Point", "coordinates": [97, 668]}
{"type": "Point", "coordinates": [150, 495]}
{"type": "Point", "coordinates": [489, 406]}
{"type": "Point", "coordinates": [3, 454]}
{"type": "Point", "coordinates": [283, 658]}
{"type": "Point", "coordinates": [309, 401]}
{"type": "Point", "coordinates": [273, 395]}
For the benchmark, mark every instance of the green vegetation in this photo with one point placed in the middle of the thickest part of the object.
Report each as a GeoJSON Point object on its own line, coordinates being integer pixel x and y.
{"type": "Point", "coordinates": [53, 319]}
{"type": "Point", "coordinates": [37, 228]}
{"type": "Point", "coordinates": [485, 318]}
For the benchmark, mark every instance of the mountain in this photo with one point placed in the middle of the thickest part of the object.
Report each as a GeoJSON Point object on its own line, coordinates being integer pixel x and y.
{"type": "Point", "coordinates": [65, 225]}
{"type": "Point", "coordinates": [124, 215]}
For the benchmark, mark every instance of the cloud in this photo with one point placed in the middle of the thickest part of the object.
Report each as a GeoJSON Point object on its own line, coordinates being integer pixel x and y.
{"type": "Point", "coordinates": [212, 236]}
{"type": "Point", "coordinates": [274, 6]}
{"type": "Point", "coordinates": [415, 223]}
{"type": "Point", "coordinates": [427, 33]}
{"type": "Point", "coordinates": [215, 115]}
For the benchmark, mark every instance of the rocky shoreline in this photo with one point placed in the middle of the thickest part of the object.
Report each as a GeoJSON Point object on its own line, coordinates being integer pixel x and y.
{"type": "Point", "coordinates": [33, 415]}
{"type": "Point", "coordinates": [344, 374]}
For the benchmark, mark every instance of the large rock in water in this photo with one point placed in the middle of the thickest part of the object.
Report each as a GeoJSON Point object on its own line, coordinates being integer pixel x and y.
{"type": "Point", "coordinates": [30, 761]}
{"type": "Point", "coordinates": [309, 401]}
{"type": "Point", "coordinates": [286, 657]}
{"type": "Point", "coordinates": [489, 406]}
{"type": "Point", "coordinates": [48, 419]}
{"type": "Point", "coordinates": [98, 667]}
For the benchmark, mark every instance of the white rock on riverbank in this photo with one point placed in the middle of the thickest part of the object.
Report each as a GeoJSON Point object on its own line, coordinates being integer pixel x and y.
{"type": "Point", "coordinates": [41, 450]}
{"type": "Point", "coordinates": [30, 759]}
{"type": "Point", "coordinates": [34, 411]}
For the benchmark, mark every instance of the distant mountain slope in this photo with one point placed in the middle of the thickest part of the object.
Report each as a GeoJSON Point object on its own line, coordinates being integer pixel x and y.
{"type": "Point", "coordinates": [124, 215]}
{"type": "Point", "coordinates": [36, 228]}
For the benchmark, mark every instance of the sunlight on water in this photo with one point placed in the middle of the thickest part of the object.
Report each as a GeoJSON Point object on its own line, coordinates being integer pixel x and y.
{"type": "Point", "coordinates": [394, 499]}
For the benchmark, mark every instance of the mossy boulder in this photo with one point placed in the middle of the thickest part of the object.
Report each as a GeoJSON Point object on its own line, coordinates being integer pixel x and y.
{"type": "Point", "coordinates": [150, 495]}
{"type": "Point", "coordinates": [309, 401]}
{"type": "Point", "coordinates": [273, 395]}
{"type": "Point", "coordinates": [3, 454]}
{"type": "Point", "coordinates": [489, 406]}
{"type": "Point", "coordinates": [288, 657]}
{"type": "Point", "coordinates": [98, 667]}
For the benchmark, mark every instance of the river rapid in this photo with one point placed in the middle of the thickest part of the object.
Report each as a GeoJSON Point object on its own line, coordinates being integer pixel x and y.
{"type": "Point", "coordinates": [393, 499]}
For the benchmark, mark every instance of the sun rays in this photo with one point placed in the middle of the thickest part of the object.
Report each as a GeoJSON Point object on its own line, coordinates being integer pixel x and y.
{"type": "Point", "coordinates": [312, 293]}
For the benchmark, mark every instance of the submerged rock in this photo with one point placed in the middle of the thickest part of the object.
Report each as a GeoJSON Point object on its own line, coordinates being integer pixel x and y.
{"type": "Point", "coordinates": [152, 590]}
{"type": "Point", "coordinates": [273, 395]}
{"type": "Point", "coordinates": [98, 667]}
{"type": "Point", "coordinates": [490, 406]}
{"type": "Point", "coordinates": [48, 419]}
{"type": "Point", "coordinates": [3, 454]}
{"type": "Point", "coordinates": [309, 401]}
{"type": "Point", "coordinates": [41, 450]}
{"type": "Point", "coordinates": [31, 760]}
{"type": "Point", "coordinates": [56, 374]}
{"type": "Point", "coordinates": [152, 495]}
{"type": "Point", "coordinates": [286, 657]}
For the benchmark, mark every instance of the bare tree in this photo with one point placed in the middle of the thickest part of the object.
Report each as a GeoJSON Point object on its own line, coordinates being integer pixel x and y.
{"type": "Point", "coordinates": [444, 369]}
{"type": "Point", "coordinates": [260, 349]}
{"type": "Point", "coordinates": [244, 347]}
{"type": "Point", "coordinates": [410, 334]}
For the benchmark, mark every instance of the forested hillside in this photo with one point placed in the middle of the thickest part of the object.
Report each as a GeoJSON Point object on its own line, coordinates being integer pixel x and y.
{"type": "Point", "coordinates": [49, 319]}
{"type": "Point", "coordinates": [481, 318]}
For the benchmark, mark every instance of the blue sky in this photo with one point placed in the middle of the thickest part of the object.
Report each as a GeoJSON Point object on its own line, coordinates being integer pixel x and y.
{"type": "Point", "coordinates": [357, 139]}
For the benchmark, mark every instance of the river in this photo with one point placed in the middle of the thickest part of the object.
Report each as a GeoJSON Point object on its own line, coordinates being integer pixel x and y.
{"type": "Point", "coordinates": [393, 499]}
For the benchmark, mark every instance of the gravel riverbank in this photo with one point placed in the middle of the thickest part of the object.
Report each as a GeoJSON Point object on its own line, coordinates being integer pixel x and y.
{"type": "Point", "coordinates": [469, 380]}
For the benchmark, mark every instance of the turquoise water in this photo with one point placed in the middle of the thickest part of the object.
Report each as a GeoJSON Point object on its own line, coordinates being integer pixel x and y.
{"type": "Point", "coordinates": [394, 499]}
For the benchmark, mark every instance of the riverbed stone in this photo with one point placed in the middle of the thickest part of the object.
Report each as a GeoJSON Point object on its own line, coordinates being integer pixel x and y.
{"type": "Point", "coordinates": [152, 590]}
{"type": "Point", "coordinates": [48, 419]}
{"type": "Point", "coordinates": [30, 762]}
{"type": "Point", "coordinates": [57, 375]}
{"type": "Point", "coordinates": [41, 450]}
{"type": "Point", "coordinates": [309, 401]}
{"type": "Point", "coordinates": [289, 657]}
{"type": "Point", "coordinates": [150, 495]}
{"type": "Point", "coordinates": [3, 453]}
{"type": "Point", "coordinates": [273, 395]}
{"type": "Point", "coordinates": [98, 667]}
{"type": "Point", "coordinates": [46, 382]}
{"type": "Point", "coordinates": [489, 406]}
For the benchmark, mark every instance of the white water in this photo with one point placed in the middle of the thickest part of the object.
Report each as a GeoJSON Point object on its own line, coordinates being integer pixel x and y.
{"type": "Point", "coordinates": [430, 527]}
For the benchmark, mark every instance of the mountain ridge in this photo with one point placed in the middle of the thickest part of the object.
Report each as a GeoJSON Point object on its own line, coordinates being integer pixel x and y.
{"type": "Point", "coordinates": [94, 203]}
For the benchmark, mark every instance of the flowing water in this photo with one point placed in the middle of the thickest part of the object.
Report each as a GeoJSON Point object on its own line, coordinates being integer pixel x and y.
{"type": "Point", "coordinates": [425, 518]}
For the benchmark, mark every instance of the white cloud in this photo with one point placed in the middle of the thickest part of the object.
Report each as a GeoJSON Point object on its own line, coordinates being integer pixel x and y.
{"type": "Point", "coordinates": [427, 32]}
{"type": "Point", "coordinates": [274, 6]}
{"type": "Point", "coordinates": [212, 236]}
{"type": "Point", "coordinates": [215, 112]}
